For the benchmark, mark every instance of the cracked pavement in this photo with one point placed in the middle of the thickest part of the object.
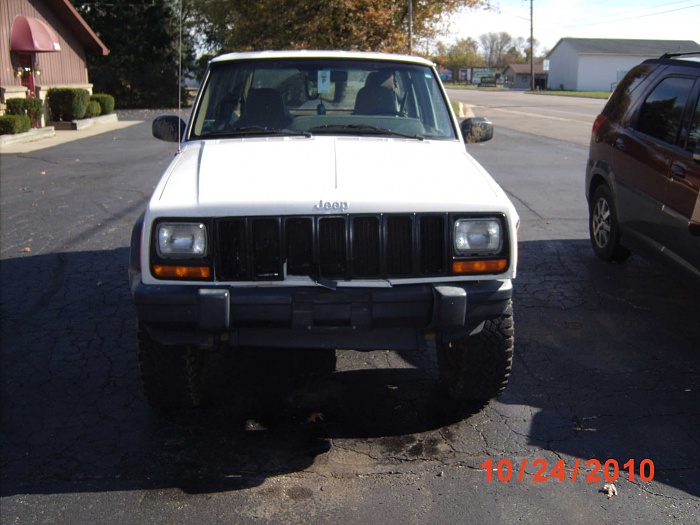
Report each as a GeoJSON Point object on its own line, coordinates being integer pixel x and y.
{"type": "Point", "coordinates": [606, 366]}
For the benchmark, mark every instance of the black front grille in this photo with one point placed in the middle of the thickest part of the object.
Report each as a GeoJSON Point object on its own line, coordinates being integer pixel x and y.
{"type": "Point", "coordinates": [335, 247]}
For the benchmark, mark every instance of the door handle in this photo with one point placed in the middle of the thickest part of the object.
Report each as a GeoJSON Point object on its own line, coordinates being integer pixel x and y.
{"type": "Point", "coordinates": [677, 172]}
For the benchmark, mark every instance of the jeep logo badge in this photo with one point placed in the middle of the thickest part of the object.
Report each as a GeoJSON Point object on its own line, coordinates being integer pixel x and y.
{"type": "Point", "coordinates": [337, 206]}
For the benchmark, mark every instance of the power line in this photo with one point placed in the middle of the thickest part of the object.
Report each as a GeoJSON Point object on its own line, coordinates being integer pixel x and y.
{"type": "Point", "coordinates": [607, 2]}
{"type": "Point", "coordinates": [633, 17]}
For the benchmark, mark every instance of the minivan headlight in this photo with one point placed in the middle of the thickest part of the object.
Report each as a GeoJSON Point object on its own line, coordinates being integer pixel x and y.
{"type": "Point", "coordinates": [477, 237]}
{"type": "Point", "coordinates": [182, 239]}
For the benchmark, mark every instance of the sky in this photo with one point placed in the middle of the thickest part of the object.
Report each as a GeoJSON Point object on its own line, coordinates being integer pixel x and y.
{"type": "Point", "coordinates": [555, 19]}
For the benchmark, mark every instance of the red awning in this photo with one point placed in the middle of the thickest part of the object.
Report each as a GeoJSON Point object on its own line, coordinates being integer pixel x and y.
{"type": "Point", "coordinates": [31, 34]}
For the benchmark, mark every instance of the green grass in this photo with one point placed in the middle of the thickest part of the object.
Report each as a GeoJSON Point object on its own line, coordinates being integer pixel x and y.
{"type": "Point", "coordinates": [453, 85]}
{"type": "Point", "coordinates": [583, 94]}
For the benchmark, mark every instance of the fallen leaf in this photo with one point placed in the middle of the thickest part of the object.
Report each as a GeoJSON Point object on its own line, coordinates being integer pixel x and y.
{"type": "Point", "coordinates": [315, 417]}
{"type": "Point", "coordinates": [26, 249]}
{"type": "Point", "coordinates": [610, 490]}
{"type": "Point", "coordinates": [252, 424]}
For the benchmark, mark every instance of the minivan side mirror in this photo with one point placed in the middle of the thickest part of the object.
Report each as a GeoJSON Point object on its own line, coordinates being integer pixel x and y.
{"type": "Point", "coordinates": [476, 129]}
{"type": "Point", "coordinates": [168, 128]}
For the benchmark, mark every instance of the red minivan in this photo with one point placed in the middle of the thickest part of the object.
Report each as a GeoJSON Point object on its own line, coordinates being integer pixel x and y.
{"type": "Point", "coordinates": [643, 171]}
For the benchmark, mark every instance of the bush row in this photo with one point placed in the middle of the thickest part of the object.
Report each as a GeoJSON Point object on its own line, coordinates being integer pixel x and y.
{"type": "Point", "coordinates": [63, 103]}
{"type": "Point", "coordinates": [74, 104]}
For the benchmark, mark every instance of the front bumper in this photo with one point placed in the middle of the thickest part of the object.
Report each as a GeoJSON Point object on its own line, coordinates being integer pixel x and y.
{"type": "Point", "coordinates": [316, 317]}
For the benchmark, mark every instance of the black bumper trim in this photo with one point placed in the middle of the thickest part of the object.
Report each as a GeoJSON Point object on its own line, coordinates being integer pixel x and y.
{"type": "Point", "coordinates": [195, 313]}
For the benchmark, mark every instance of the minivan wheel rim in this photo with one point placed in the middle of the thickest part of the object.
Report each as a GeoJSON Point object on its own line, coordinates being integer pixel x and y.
{"type": "Point", "coordinates": [601, 223]}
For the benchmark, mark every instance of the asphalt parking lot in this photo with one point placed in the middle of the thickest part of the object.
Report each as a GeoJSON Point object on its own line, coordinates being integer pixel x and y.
{"type": "Point", "coordinates": [607, 369]}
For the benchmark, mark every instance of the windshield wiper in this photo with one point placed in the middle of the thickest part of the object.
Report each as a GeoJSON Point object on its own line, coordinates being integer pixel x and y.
{"type": "Point", "coordinates": [364, 129]}
{"type": "Point", "coordinates": [255, 131]}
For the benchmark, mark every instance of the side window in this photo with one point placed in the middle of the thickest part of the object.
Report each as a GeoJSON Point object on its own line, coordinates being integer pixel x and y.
{"type": "Point", "coordinates": [694, 134]}
{"type": "Point", "coordinates": [662, 111]}
{"type": "Point", "coordinates": [619, 102]}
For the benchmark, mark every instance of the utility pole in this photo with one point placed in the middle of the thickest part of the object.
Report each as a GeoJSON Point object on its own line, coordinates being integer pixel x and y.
{"type": "Point", "coordinates": [410, 27]}
{"type": "Point", "coordinates": [532, 51]}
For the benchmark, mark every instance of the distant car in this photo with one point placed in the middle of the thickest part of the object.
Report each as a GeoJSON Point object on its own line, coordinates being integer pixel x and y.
{"type": "Point", "coordinates": [643, 172]}
{"type": "Point", "coordinates": [324, 200]}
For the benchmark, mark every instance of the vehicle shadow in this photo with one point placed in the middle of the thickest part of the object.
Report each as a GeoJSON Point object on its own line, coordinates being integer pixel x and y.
{"type": "Point", "coordinates": [608, 357]}
{"type": "Point", "coordinates": [74, 418]}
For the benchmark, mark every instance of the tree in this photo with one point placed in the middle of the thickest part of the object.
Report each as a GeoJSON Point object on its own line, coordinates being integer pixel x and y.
{"type": "Point", "coordinates": [141, 69]}
{"type": "Point", "coordinates": [495, 46]}
{"type": "Point", "coordinates": [376, 25]}
{"type": "Point", "coordinates": [464, 53]}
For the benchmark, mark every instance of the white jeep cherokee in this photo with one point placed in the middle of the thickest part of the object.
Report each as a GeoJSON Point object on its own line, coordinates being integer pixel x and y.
{"type": "Point", "coordinates": [323, 200]}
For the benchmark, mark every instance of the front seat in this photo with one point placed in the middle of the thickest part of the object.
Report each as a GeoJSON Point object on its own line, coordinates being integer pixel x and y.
{"type": "Point", "coordinates": [376, 98]}
{"type": "Point", "coordinates": [264, 107]}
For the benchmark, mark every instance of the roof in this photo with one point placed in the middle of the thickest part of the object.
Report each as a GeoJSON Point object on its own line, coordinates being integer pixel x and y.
{"type": "Point", "coordinates": [630, 47]}
{"type": "Point", "coordinates": [524, 69]}
{"type": "Point", "coordinates": [65, 11]}
{"type": "Point", "coordinates": [357, 55]}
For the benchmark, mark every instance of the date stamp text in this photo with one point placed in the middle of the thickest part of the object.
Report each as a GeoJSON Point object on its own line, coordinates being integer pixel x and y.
{"type": "Point", "coordinates": [590, 471]}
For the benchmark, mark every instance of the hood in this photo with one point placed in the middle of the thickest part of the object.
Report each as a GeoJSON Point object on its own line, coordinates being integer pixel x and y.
{"type": "Point", "coordinates": [301, 176]}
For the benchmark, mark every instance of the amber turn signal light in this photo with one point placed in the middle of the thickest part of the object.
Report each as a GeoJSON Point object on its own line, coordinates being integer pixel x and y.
{"type": "Point", "coordinates": [479, 266]}
{"type": "Point", "coordinates": [181, 272]}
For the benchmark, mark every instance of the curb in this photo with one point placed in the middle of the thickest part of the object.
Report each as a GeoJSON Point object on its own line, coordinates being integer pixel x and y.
{"type": "Point", "coordinates": [85, 123]}
{"type": "Point", "coordinates": [49, 131]}
{"type": "Point", "coordinates": [28, 136]}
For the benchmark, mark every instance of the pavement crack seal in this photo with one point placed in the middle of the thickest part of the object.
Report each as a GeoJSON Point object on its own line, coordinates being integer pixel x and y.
{"type": "Point", "coordinates": [646, 486]}
{"type": "Point", "coordinates": [31, 157]}
{"type": "Point", "coordinates": [516, 198]}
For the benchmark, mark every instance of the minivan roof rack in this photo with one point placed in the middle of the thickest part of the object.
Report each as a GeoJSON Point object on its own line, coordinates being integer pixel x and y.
{"type": "Point", "coordinates": [673, 55]}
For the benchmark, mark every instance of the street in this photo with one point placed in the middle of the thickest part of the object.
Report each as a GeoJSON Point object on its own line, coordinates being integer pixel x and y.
{"type": "Point", "coordinates": [606, 372]}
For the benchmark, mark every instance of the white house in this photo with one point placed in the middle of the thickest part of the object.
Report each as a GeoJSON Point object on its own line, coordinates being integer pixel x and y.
{"type": "Point", "coordinates": [597, 64]}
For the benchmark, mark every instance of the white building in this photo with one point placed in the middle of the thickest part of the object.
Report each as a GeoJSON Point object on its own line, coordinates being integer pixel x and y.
{"type": "Point", "coordinates": [597, 64]}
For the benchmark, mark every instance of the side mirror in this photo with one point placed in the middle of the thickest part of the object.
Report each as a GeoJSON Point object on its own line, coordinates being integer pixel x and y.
{"type": "Point", "coordinates": [476, 129]}
{"type": "Point", "coordinates": [168, 128]}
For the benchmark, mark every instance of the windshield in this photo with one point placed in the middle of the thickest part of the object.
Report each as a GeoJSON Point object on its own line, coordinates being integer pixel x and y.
{"type": "Point", "coordinates": [321, 96]}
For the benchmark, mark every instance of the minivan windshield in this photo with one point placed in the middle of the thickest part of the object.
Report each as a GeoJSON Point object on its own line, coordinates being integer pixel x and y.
{"type": "Point", "coordinates": [244, 98]}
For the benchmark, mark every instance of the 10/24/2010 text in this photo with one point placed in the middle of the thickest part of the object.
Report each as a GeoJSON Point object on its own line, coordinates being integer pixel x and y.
{"type": "Point", "coordinates": [595, 471]}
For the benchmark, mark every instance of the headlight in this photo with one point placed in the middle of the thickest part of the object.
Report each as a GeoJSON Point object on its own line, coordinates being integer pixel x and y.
{"type": "Point", "coordinates": [182, 239]}
{"type": "Point", "coordinates": [477, 237]}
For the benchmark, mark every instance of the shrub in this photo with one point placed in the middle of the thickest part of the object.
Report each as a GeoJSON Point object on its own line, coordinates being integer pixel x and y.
{"type": "Point", "coordinates": [32, 107]}
{"type": "Point", "coordinates": [35, 109]}
{"type": "Point", "coordinates": [93, 109]}
{"type": "Point", "coordinates": [106, 102]}
{"type": "Point", "coordinates": [67, 103]}
{"type": "Point", "coordinates": [15, 106]}
{"type": "Point", "coordinates": [12, 124]}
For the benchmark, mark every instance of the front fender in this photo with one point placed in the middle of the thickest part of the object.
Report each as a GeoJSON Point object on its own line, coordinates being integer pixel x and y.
{"type": "Point", "coordinates": [135, 246]}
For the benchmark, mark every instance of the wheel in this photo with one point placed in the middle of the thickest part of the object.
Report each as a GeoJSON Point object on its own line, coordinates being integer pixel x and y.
{"type": "Point", "coordinates": [172, 377]}
{"type": "Point", "coordinates": [604, 227]}
{"type": "Point", "coordinates": [477, 367]}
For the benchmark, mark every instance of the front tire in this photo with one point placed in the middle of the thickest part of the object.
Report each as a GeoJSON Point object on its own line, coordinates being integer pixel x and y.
{"type": "Point", "coordinates": [477, 367]}
{"type": "Point", "coordinates": [172, 377]}
{"type": "Point", "coordinates": [604, 227]}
